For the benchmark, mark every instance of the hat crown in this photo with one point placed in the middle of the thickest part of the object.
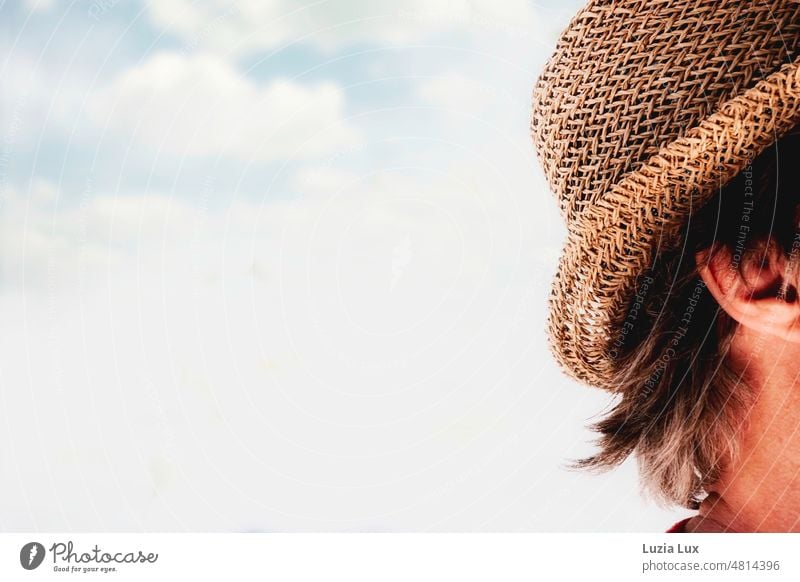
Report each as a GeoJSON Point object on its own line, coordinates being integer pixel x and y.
{"type": "Point", "coordinates": [630, 76]}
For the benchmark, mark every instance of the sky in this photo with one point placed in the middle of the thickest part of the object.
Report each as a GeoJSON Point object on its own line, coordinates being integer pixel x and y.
{"type": "Point", "coordinates": [284, 266]}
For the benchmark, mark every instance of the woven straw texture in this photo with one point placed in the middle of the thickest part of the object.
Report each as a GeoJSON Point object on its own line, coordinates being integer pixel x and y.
{"type": "Point", "coordinates": [643, 112]}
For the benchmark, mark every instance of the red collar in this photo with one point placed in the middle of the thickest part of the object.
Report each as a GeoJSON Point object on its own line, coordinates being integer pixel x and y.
{"type": "Point", "coordinates": [679, 527]}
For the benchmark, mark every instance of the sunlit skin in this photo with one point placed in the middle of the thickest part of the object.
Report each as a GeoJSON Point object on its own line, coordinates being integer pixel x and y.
{"type": "Point", "coordinates": [760, 489]}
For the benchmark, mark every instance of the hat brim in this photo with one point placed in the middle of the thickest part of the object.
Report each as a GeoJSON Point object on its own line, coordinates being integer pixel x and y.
{"type": "Point", "coordinates": [617, 239]}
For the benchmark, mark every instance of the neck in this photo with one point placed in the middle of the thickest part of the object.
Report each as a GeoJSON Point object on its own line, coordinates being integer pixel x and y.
{"type": "Point", "coordinates": [760, 489]}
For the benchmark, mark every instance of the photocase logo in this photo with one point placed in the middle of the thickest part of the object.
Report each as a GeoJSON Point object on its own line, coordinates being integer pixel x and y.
{"type": "Point", "coordinates": [31, 555]}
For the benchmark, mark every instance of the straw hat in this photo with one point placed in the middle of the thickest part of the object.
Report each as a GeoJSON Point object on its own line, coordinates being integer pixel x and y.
{"type": "Point", "coordinates": [644, 111]}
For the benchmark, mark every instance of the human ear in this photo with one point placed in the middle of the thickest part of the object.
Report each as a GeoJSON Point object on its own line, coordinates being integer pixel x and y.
{"type": "Point", "coordinates": [757, 291]}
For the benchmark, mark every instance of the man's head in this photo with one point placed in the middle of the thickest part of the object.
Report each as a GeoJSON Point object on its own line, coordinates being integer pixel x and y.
{"type": "Point", "coordinates": [640, 117]}
{"type": "Point", "coordinates": [716, 313]}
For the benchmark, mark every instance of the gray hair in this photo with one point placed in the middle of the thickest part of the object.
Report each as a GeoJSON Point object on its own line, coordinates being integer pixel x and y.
{"type": "Point", "coordinates": [680, 404]}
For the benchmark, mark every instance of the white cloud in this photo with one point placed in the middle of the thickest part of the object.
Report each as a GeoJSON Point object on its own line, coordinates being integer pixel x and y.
{"type": "Point", "coordinates": [371, 336]}
{"type": "Point", "coordinates": [46, 243]}
{"type": "Point", "coordinates": [457, 92]}
{"type": "Point", "coordinates": [39, 5]}
{"type": "Point", "coordinates": [322, 179]}
{"type": "Point", "coordinates": [254, 24]}
{"type": "Point", "coordinates": [32, 104]}
{"type": "Point", "coordinates": [390, 329]}
{"type": "Point", "coordinates": [201, 106]}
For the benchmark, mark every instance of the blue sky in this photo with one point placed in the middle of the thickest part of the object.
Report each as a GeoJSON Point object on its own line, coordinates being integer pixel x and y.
{"type": "Point", "coordinates": [65, 61]}
{"type": "Point", "coordinates": [284, 266]}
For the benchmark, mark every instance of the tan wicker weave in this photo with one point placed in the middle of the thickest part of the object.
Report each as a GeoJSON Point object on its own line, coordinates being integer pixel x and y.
{"type": "Point", "coordinates": [643, 112]}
